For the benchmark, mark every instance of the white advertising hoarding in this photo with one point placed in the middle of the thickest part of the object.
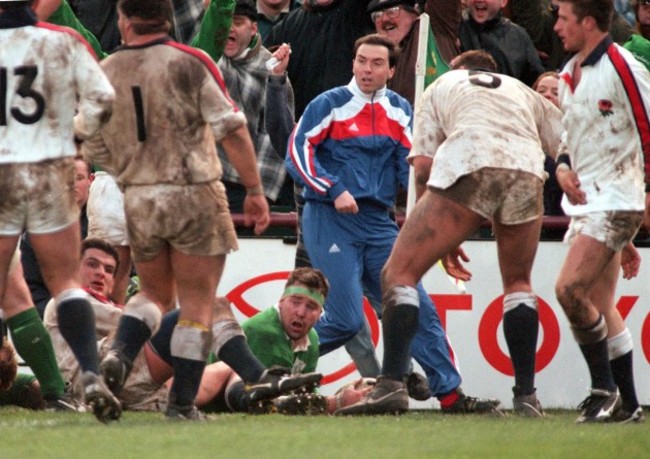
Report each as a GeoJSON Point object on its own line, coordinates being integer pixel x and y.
{"type": "Point", "coordinates": [255, 275]}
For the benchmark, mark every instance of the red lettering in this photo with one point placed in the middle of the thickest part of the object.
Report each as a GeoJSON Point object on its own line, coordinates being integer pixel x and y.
{"type": "Point", "coordinates": [446, 303]}
{"type": "Point", "coordinates": [625, 304]}
{"type": "Point", "coordinates": [645, 338]}
{"type": "Point", "coordinates": [489, 344]}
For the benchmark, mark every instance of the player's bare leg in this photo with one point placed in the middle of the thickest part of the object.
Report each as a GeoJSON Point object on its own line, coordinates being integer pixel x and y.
{"type": "Point", "coordinates": [585, 265]}
{"type": "Point", "coordinates": [7, 248]}
{"type": "Point", "coordinates": [436, 227]}
{"type": "Point", "coordinates": [619, 343]}
{"type": "Point", "coordinates": [196, 279]}
{"type": "Point", "coordinates": [517, 246]}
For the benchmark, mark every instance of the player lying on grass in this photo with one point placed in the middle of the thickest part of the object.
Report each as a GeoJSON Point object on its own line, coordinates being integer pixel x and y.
{"type": "Point", "coordinates": [281, 337]}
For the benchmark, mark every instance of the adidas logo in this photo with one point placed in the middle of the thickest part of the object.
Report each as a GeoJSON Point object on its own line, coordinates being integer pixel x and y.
{"type": "Point", "coordinates": [354, 127]}
{"type": "Point", "coordinates": [334, 249]}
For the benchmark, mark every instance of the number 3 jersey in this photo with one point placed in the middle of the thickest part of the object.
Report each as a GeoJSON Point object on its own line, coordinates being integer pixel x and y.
{"type": "Point", "coordinates": [47, 74]}
{"type": "Point", "coordinates": [468, 120]}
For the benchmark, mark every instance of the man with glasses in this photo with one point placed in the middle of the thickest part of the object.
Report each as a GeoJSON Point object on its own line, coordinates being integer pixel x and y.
{"type": "Point", "coordinates": [399, 20]}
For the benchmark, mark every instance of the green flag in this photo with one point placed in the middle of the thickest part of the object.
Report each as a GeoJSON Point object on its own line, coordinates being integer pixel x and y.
{"type": "Point", "coordinates": [436, 65]}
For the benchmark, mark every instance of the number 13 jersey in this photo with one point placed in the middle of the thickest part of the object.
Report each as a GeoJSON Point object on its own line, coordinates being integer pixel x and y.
{"type": "Point", "coordinates": [47, 74]}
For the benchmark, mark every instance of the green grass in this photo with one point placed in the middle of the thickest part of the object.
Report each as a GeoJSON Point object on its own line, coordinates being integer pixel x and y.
{"type": "Point", "coordinates": [422, 434]}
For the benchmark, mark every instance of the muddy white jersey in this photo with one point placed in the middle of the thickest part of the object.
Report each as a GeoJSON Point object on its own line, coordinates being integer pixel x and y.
{"type": "Point", "coordinates": [171, 106]}
{"type": "Point", "coordinates": [607, 129]}
{"type": "Point", "coordinates": [47, 74]}
{"type": "Point", "coordinates": [468, 120]}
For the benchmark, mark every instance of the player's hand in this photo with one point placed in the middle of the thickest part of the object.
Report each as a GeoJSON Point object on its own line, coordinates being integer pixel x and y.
{"type": "Point", "coordinates": [256, 212]}
{"type": "Point", "coordinates": [346, 204]}
{"type": "Point", "coordinates": [351, 393]}
{"type": "Point", "coordinates": [282, 55]}
{"type": "Point", "coordinates": [454, 267]}
{"type": "Point", "coordinates": [570, 184]}
{"type": "Point", "coordinates": [630, 261]}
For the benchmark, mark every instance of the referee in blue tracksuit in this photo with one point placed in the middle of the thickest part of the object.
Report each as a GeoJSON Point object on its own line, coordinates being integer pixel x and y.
{"type": "Point", "coordinates": [349, 152]}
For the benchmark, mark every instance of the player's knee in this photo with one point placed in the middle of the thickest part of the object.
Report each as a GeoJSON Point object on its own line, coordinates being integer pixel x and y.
{"type": "Point", "coordinates": [571, 298]}
{"type": "Point", "coordinates": [191, 342]}
{"type": "Point", "coordinates": [591, 334]}
{"type": "Point", "coordinates": [223, 331]}
{"type": "Point", "coordinates": [144, 310]}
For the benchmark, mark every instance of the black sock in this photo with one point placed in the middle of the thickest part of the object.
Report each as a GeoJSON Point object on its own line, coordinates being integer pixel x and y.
{"type": "Point", "coordinates": [237, 355]}
{"type": "Point", "coordinates": [399, 325]}
{"type": "Point", "coordinates": [520, 328]}
{"type": "Point", "coordinates": [131, 335]}
{"type": "Point", "coordinates": [622, 371]}
{"type": "Point", "coordinates": [76, 320]}
{"type": "Point", "coordinates": [187, 378]}
{"type": "Point", "coordinates": [161, 340]}
{"type": "Point", "coordinates": [236, 397]}
{"type": "Point", "coordinates": [598, 362]}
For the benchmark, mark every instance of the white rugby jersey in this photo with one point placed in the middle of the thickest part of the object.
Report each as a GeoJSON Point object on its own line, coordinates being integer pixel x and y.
{"type": "Point", "coordinates": [47, 73]}
{"type": "Point", "coordinates": [607, 132]}
{"type": "Point", "coordinates": [472, 119]}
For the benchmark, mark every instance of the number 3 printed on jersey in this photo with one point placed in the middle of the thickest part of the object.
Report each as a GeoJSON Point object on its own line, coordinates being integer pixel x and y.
{"type": "Point", "coordinates": [26, 74]}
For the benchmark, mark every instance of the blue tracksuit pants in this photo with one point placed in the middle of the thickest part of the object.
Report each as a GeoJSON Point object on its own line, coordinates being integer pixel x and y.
{"type": "Point", "coordinates": [351, 250]}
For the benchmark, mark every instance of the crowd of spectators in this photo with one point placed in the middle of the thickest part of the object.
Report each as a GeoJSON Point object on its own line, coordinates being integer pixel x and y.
{"type": "Point", "coordinates": [518, 33]}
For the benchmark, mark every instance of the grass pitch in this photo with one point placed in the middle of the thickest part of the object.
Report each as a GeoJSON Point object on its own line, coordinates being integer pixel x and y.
{"type": "Point", "coordinates": [422, 434]}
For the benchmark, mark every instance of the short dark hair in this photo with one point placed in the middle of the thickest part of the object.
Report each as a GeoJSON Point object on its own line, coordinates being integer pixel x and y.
{"type": "Point", "coordinates": [311, 278]}
{"type": "Point", "coordinates": [148, 16]}
{"type": "Point", "coordinates": [379, 40]}
{"type": "Point", "coordinates": [601, 10]}
{"type": "Point", "coordinates": [475, 59]}
{"type": "Point", "coordinates": [89, 167]}
{"type": "Point", "coordinates": [104, 246]}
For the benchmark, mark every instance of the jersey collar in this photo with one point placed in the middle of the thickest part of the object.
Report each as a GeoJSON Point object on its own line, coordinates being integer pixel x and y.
{"type": "Point", "coordinates": [598, 51]}
{"type": "Point", "coordinates": [354, 88]}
